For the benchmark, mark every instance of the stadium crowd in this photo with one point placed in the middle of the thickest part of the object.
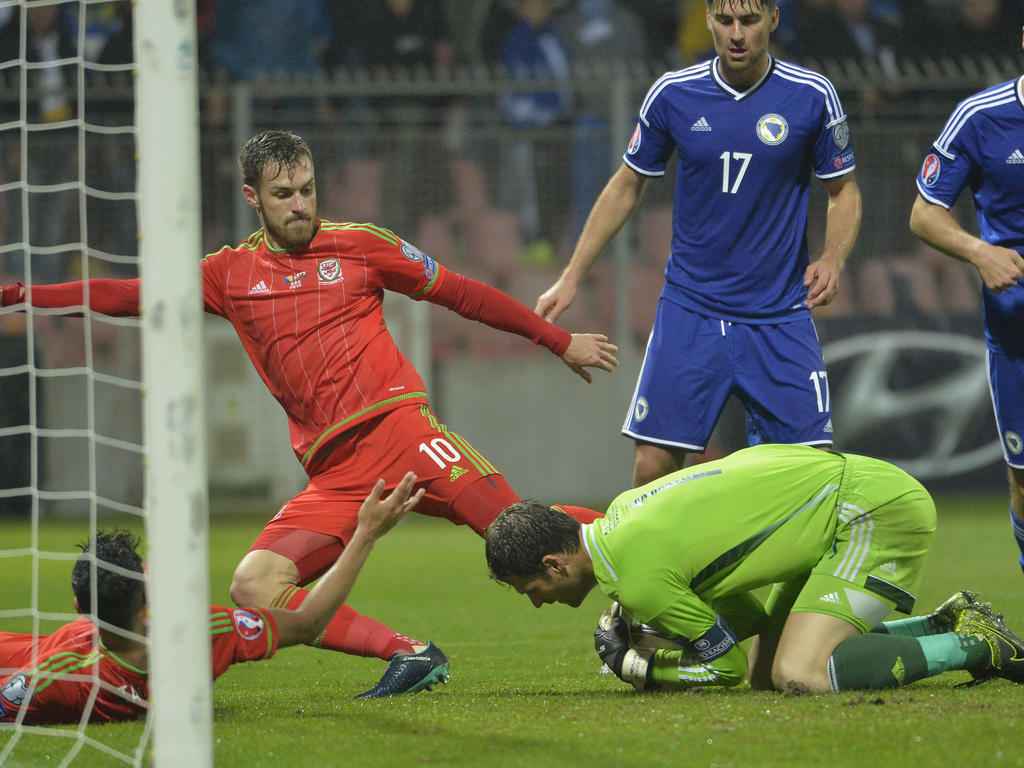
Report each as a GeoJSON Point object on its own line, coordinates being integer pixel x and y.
{"type": "Point", "coordinates": [511, 39]}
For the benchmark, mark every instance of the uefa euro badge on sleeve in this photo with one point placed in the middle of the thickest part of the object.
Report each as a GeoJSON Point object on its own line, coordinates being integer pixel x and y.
{"type": "Point", "coordinates": [841, 134]}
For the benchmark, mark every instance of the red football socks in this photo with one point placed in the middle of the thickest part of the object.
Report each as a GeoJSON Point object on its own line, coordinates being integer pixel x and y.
{"type": "Point", "coordinates": [350, 631]}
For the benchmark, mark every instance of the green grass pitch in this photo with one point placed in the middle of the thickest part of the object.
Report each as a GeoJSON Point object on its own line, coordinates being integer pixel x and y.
{"type": "Point", "coordinates": [524, 689]}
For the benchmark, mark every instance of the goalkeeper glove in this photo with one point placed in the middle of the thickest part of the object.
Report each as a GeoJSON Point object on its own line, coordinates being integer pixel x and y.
{"type": "Point", "coordinates": [611, 639]}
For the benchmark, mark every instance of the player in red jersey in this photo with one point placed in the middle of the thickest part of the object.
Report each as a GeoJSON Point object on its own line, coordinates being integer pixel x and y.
{"type": "Point", "coordinates": [51, 678]}
{"type": "Point", "coordinates": [305, 297]}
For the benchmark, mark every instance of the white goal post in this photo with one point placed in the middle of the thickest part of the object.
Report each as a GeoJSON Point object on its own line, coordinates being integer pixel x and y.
{"type": "Point", "coordinates": [167, 122]}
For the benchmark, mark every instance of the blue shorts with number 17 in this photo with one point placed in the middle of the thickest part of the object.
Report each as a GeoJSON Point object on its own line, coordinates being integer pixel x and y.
{"type": "Point", "coordinates": [694, 363]}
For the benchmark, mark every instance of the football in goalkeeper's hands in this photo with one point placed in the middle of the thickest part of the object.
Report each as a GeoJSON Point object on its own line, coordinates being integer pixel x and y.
{"type": "Point", "coordinates": [645, 640]}
{"type": "Point", "coordinates": [645, 637]}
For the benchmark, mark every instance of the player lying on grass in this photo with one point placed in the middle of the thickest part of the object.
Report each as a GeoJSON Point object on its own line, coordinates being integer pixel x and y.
{"type": "Point", "coordinates": [305, 296]}
{"type": "Point", "coordinates": [55, 683]}
{"type": "Point", "coordinates": [842, 538]}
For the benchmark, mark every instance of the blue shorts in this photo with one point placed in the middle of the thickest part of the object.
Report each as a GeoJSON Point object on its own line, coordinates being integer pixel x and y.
{"type": "Point", "coordinates": [694, 363]}
{"type": "Point", "coordinates": [1006, 383]}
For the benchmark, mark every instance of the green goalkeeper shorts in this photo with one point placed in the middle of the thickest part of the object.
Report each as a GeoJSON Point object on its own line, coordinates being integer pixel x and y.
{"type": "Point", "coordinates": [885, 528]}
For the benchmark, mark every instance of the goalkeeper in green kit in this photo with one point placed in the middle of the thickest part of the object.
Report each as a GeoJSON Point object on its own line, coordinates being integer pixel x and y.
{"type": "Point", "coordinates": [841, 538]}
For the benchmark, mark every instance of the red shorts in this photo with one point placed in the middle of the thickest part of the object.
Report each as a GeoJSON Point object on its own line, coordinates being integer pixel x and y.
{"type": "Point", "coordinates": [405, 439]}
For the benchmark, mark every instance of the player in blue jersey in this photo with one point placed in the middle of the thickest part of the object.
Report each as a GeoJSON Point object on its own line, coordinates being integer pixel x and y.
{"type": "Point", "coordinates": [982, 146]}
{"type": "Point", "coordinates": [734, 315]}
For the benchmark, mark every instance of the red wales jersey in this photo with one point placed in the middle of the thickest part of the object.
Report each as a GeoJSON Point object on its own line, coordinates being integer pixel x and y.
{"type": "Point", "coordinates": [311, 320]}
{"type": "Point", "coordinates": [69, 661]}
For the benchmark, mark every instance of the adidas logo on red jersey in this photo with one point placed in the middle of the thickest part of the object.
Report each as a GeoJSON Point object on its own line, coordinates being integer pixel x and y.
{"type": "Point", "coordinates": [259, 289]}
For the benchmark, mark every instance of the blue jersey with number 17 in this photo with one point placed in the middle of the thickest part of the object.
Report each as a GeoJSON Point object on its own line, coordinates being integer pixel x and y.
{"type": "Point", "coordinates": [745, 161]}
{"type": "Point", "coordinates": [982, 145]}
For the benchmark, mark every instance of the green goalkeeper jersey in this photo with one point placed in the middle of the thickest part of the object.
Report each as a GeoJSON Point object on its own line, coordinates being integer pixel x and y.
{"type": "Point", "coordinates": [671, 550]}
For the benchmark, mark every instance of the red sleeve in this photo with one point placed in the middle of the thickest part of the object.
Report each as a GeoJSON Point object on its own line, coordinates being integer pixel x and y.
{"type": "Point", "coordinates": [240, 634]}
{"type": "Point", "coordinates": [15, 649]}
{"type": "Point", "coordinates": [406, 269]}
{"type": "Point", "coordinates": [117, 298]}
{"type": "Point", "coordinates": [478, 301]}
{"type": "Point", "coordinates": [213, 278]}
{"type": "Point", "coordinates": [54, 701]}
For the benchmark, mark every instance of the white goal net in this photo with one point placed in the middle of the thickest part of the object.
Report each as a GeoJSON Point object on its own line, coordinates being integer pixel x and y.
{"type": "Point", "coordinates": [101, 418]}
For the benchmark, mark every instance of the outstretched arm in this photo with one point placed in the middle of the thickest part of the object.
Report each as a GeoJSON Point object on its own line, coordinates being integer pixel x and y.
{"type": "Point", "coordinates": [842, 223]}
{"type": "Point", "coordinates": [1000, 268]}
{"type": "Point", "coordinates": [117, 298]}
{"type": "Point", "coordinates": [377, 516]}
{"type": "Point", "coordinates": [614, 205]}
{"type": "Point", "coordinates": [481, 302]}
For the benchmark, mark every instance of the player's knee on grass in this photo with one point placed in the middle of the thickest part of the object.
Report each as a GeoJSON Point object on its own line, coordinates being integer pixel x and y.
{"type": "Point", "coordinates": [797, 676]}
{"type": "Point", "coordinates": [760, 658]}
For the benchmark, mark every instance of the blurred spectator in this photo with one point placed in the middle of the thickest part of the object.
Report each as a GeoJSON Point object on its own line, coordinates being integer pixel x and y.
{"type": "Point", "coordinates": [259, 39]}
{"type": "Point", "coordinates": [500, 19]}
{"type": "Point", "coordinates": [115, 42]}
{"type": "Point", "coordinates": [844, 30]}
{"type": "Point", "coordinates": [384, 135]}
{"type": "Point", "coordinates": [693, 41]}
{"type": "Point", "coordinates": [113, 227]}
{"type": "Point", "coordinates": [972, 28]}
{"type": "Point", "coordinates": [398, 37]}
{"type": "Point", "coordinates": [276, 45]}
{"type": "Point", "coordinates": [50, 151]}
{"type": "Point", "coordinates": [206, 15]}
{"type": "Point", "coordinates": [599, 35]}
{"type": "Point", "coordinates": [103, 22]}
{"type": "Point", "coordinates": [533, 49]}
{"type": "Point", "coordinates": [391, 34]}
{"type": "Point", "coordinates": [660, 20]}
{"type": "Point", "coordinates": [254, 38]}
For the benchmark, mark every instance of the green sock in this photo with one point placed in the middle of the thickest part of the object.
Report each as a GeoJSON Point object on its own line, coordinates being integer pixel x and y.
{"type": "Point", "coordinates": [876, 660]}
{"type": "Point", "coordinates": [952, 651]}
{"type": "Point", "coordinates": [915, 626]}
{"type": "Point", "coordinates": [881, 660]}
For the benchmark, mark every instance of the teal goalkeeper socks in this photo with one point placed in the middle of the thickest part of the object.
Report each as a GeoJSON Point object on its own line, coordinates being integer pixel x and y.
{"type": "Point", "coordinates": [876, 660]}
{"type": "Point", "coordinates": [915, 626]}
{"type": "Point", "coordinates": [952, 651]}
{"type": "Point", "coordinates": [879, 660]}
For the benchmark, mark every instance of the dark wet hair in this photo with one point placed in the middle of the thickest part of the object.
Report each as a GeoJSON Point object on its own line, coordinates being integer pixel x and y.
{"type": "Point", "coordinates": [522, 534]}
{"type": "Point", "coordinates": [764, 5]}
{"type": "Point", "coordinates": [119, 596]}
{"type": "Point", "coordinates": [282, 148]}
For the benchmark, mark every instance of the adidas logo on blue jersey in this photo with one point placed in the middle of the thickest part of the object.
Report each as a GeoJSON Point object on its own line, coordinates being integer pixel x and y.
{"type": "Point", "coordinates": [701, 125]}
{"type": "Point", "coordinates": [1017, 158]}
